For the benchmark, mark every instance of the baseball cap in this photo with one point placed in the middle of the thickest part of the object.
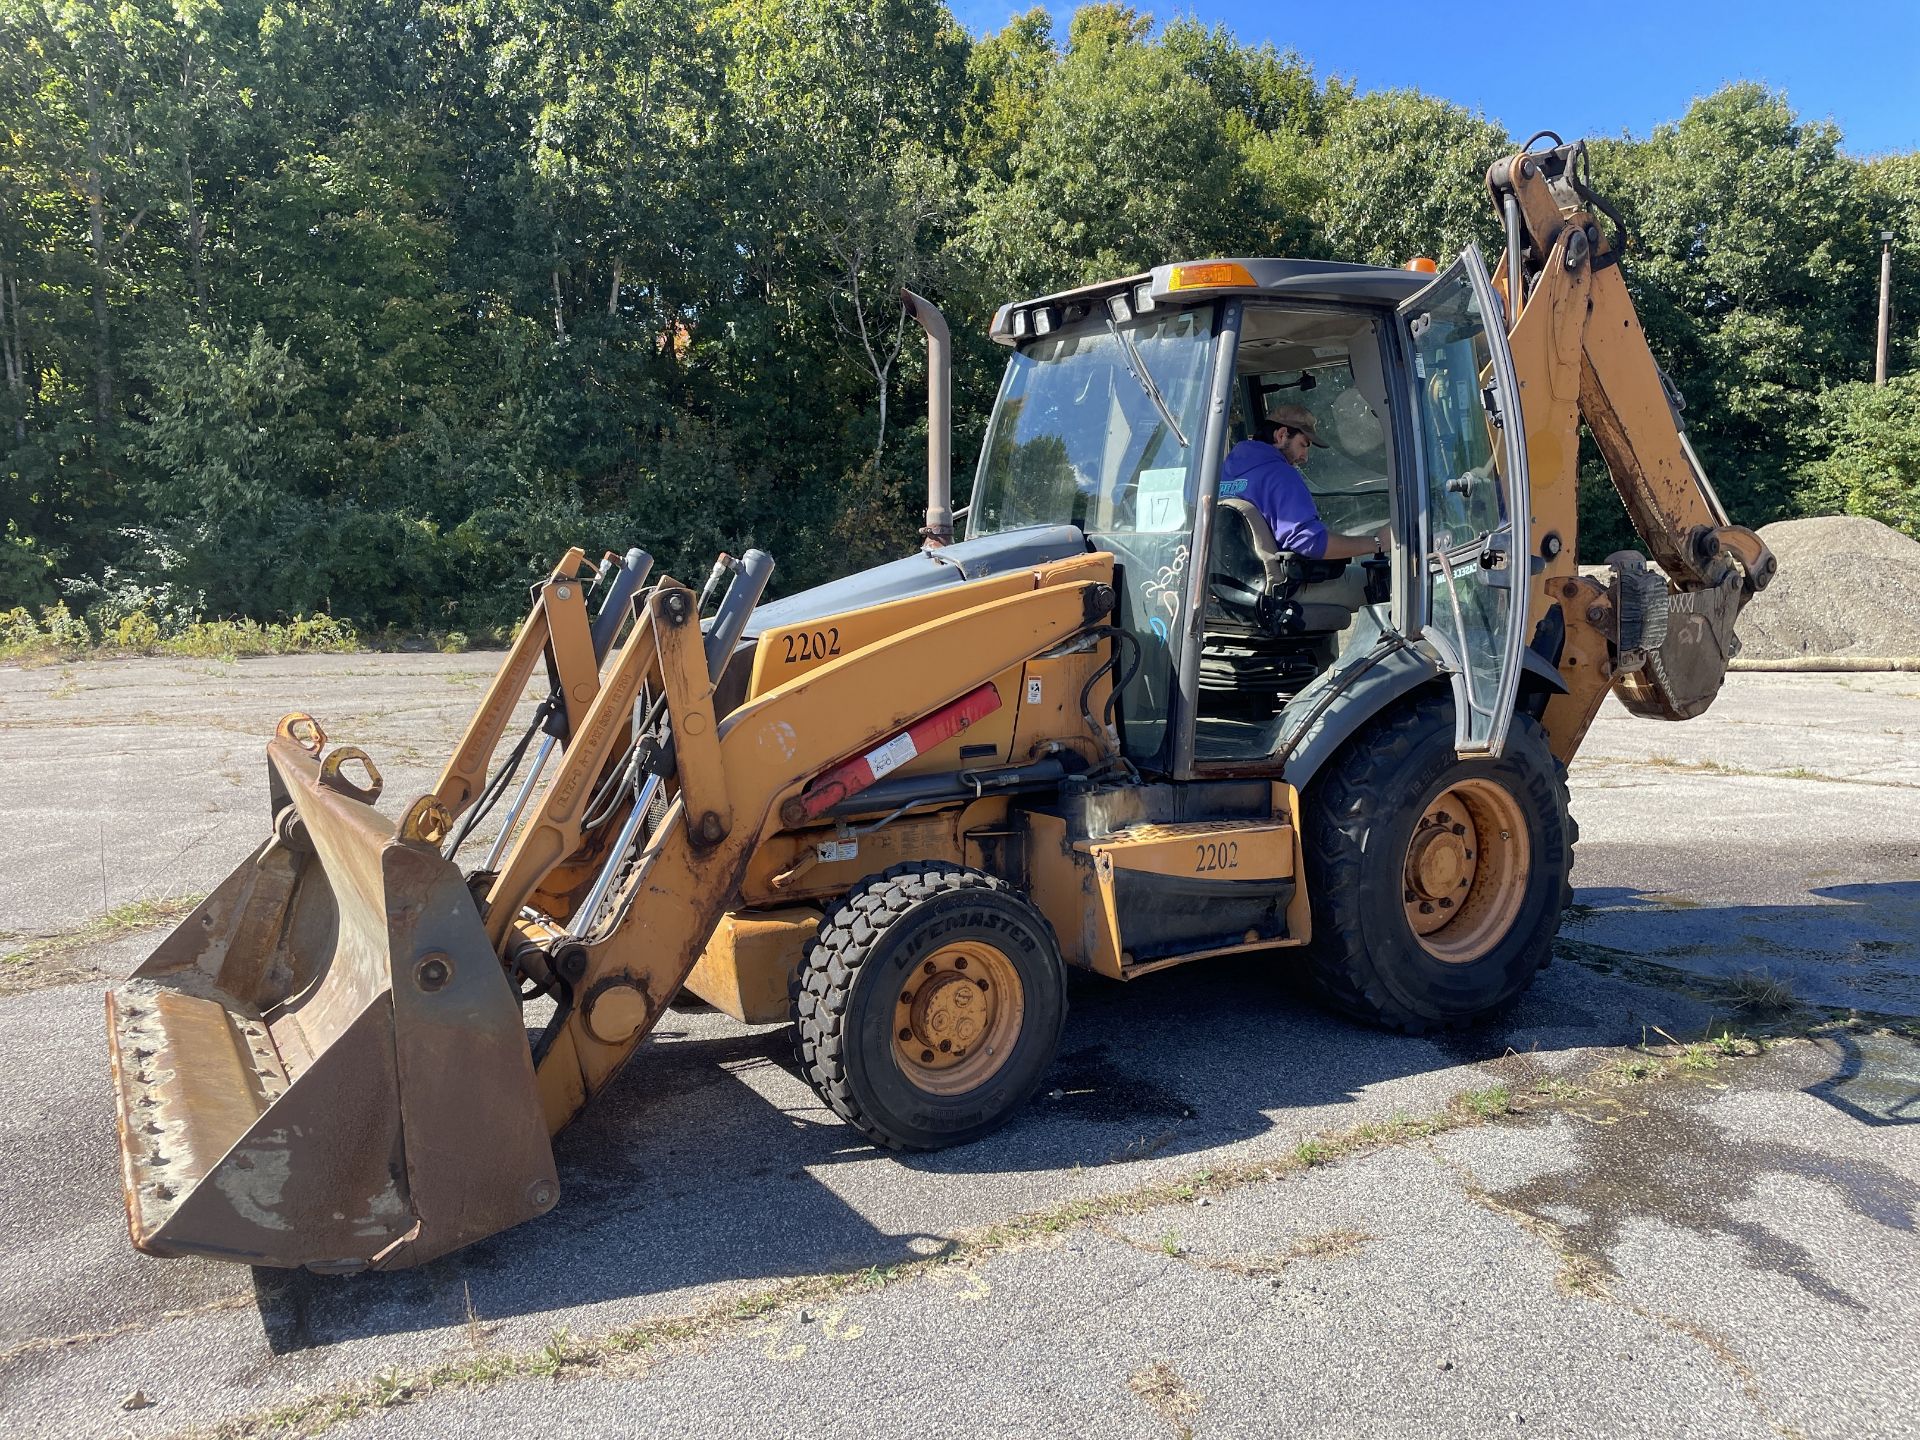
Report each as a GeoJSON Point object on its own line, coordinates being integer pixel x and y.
{"type": "Point", "coordinates": [1297, 417]}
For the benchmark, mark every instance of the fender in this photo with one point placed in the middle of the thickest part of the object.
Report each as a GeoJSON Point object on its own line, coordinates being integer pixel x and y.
{"type": "Point", "coordinates": [1395, 675]}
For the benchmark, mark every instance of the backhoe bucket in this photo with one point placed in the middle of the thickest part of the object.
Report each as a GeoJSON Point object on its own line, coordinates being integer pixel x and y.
{"type": "Point", "coordinates": [324, 1065]}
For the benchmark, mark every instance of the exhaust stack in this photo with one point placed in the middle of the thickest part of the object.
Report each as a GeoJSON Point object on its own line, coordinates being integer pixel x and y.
{"type": "Point", "coordinates": [939, 527]}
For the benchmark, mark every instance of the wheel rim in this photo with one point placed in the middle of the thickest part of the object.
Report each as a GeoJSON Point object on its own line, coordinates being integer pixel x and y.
{"type": "Point", "coordinates": [956, 1018]}
{"type": "Point", "coordinates": [1466, 870]}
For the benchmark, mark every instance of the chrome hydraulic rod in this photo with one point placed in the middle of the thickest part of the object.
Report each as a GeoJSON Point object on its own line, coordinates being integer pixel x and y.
{"type": "Point", "coordinates": [589, 911]}
{"type": "Point", "coordinates": [547, 742]}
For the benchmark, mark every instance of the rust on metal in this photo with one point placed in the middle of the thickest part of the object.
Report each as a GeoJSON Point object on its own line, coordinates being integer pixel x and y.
{"type": "Point", "coordinates": [1465, 871]}
{"type": "Point", "coordinates": [325, 1065]}
{"type": "Point", "coordinates": [956, 1021]}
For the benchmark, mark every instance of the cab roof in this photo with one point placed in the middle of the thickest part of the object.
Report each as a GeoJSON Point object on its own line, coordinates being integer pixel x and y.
{"type": "Point", "coordinates": [1188, 282]}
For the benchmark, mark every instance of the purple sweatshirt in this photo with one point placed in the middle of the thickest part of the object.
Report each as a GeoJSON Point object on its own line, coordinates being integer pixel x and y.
{"type": "Point", "coordinates": [1259, 474]}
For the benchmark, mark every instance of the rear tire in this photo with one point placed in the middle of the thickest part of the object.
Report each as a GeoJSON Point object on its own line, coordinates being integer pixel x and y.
{"type": "Point", "coordinates": [930, 1005]}
{"type": "Point", "coordinates": [1437, 883]}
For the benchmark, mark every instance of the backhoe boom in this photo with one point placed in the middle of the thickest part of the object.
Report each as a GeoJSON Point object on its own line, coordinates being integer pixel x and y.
{"type": "Point", "coordinates": [1661, 641]}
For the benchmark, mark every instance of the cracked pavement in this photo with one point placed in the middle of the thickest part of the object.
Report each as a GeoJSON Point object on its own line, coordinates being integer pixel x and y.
{"type": "Point", "coordinates": [1724, 1250]}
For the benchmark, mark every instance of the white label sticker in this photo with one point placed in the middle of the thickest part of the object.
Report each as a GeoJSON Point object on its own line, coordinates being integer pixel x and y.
{"type": "Point", "coordinates": [891, 756]}
{"type": "Point", "coordinates": [1033, 691]}
{"type": "Point", "coordinates": [1160, 503]}
{"type": "Point", "coordinates": [832, 850]}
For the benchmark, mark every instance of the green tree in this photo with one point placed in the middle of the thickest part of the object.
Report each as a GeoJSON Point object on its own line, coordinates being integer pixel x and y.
{"type": "Point", "coordinates": [1128, 163]}
{"type": "Point", "coordinates": [1892, 185]}
{"type": "Point", "coordinates": [1403, 174]}
{"type": "Point", "coordinates": [1008, 73]}
{"type": "Point", "coordinates": [1868, 454]}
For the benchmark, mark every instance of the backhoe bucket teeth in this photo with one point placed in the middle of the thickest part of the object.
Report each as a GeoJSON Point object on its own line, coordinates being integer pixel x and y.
{"type": "Point", "coordinates": [325, 1065]}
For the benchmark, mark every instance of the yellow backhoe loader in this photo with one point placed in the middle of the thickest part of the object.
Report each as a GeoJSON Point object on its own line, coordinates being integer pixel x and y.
{"type": "Point", "coordinates": [1116, 727]}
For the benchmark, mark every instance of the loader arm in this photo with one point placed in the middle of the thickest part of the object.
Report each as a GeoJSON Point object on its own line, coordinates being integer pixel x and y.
{"type": "Point", "coordinates": [1660, 641]}
{"type": "Point", "coordinates": [733, 780]}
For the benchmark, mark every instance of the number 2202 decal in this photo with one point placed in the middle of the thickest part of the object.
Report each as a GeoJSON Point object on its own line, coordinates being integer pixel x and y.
{"type": "Point", "coordinates": [804, 645]}
{"type": "Point", "coordinates": [1216, 855]}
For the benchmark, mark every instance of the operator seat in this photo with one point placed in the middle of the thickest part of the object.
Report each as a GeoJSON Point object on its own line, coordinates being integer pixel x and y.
{"type": "Point", "coordinates": [1273, 619]}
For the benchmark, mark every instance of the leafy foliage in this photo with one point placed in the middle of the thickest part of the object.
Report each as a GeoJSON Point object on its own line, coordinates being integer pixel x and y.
{"type": "Point", "coordinates": [1871, 465]}
{"type": "Point", "coordinates": [310, 306]}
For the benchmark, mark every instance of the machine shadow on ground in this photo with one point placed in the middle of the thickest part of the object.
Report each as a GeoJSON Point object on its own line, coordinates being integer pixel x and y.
{"type": "Point", "coordinates": [709, 1161]}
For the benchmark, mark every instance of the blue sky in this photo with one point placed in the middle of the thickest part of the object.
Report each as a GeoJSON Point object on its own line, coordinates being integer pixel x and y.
{"type": "Point", "coordinates": [1602, 69]}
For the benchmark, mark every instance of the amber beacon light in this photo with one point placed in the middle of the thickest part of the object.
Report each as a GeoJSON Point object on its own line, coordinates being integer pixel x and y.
{"type": "Point", "coordinates": [1209, 277]}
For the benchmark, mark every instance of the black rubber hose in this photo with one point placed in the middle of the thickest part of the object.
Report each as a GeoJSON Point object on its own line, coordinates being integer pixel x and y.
{"type": "Point", "coordinates": [497, 786]}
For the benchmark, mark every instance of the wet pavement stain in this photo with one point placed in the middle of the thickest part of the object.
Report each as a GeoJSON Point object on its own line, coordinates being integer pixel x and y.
{"type": "Point", "coordinates": [1659, 1159]}
{"type": "Point", "coordinates": [1848, 947]}
{"type": "Point", "coordinates": [1878, 1081]}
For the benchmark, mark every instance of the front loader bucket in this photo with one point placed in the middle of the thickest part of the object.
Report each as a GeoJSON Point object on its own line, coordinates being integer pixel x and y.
{"type": "Point", "coordinates": [324, 1065]}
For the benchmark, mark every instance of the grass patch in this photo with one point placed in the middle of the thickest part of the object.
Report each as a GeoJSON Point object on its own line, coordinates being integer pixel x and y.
{"type": "Point", "coordinates": [1759, 994]}
{"type": "Point", "coordinates": [1636, 1068]}
{"type": "Point", "coordinates": [1329, 1245]}
{"type": "Point", "coordinates": [1160, 1388]}
{"type": "Point", "coordinates": [1487, 1103]}
{"type": "Point", "coordinates": [1703, 767]}
{"type": "Point", "coordinates": [57, 634]}
{"type": "Point", "coordinates": [1685, 1057]}
{"type": "Point", "coordinates": [120, 920]}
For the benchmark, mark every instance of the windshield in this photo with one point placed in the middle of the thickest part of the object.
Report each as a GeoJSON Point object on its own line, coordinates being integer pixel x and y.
{"type": "Point", "coordinates": [1079, 436]}
{"type": "Point", "coordinates": [1100, 427]}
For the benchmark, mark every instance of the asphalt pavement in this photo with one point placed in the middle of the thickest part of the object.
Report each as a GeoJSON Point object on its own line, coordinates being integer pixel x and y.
{"type": "Point", "coordinates": [1598, 1239]}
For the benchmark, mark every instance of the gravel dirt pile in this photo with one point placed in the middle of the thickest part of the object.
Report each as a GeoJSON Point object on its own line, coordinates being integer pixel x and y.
{"type": "Point", "coordinates": [1847, 587]}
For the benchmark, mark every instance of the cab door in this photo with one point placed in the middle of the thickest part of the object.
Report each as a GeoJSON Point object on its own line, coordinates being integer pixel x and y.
{"type": "Point", "coordinates": [1472, 469]}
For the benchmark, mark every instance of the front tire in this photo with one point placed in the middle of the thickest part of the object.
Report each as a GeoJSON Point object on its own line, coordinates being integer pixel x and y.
{"type": "Point", "coordinates": [1437, 883]}
{"type": "Point", "coordinates": [929, 1005]}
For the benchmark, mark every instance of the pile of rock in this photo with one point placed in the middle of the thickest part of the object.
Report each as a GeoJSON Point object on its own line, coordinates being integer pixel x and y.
{"type": "Point", "coordinates": [1848, 587]}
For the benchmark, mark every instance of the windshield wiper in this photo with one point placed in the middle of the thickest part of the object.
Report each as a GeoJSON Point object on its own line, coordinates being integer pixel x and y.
{"type": "Point", "coordinates": [1137, 368]}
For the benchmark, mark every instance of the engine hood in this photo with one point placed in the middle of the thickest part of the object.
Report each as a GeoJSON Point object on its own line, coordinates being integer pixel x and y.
{"type": "Point", "coordinates": [922, 571]}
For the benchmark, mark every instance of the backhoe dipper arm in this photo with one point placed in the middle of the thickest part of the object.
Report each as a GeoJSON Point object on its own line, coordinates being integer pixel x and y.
{"type": "Point", "coordinates": [1661, 641]}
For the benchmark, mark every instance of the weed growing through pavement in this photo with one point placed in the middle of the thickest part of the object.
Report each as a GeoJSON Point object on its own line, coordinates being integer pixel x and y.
{"type": "Point", "coordinates": [1759, 994]}
{"type": "Point", "coordinates": [565, 1354]}
{"type": "Point", "coordinates": [121, 920]}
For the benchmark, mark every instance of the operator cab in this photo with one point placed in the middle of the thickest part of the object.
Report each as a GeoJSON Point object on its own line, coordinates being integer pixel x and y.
{"type": "Point", "coordinates": [1118, 408]}
{"type": "Point", "coordinates": [1276, 620]}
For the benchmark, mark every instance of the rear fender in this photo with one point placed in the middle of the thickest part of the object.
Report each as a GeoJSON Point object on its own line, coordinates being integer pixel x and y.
{"type": "Point", "coordinates": [1390, 679]}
